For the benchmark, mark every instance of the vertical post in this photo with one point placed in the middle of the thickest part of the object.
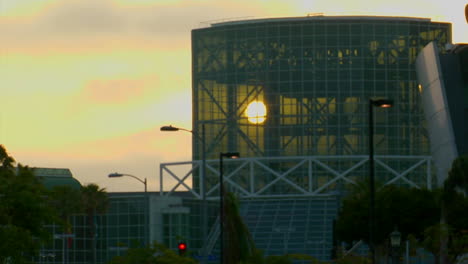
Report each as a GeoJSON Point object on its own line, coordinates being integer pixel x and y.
{"type": "Point", "coordinates": [147, 218]}
{"type": "Point", "coordinates": [395, 255]}
{"type": "Point", "coordinates": [161, 191]}
{"type": "Point", "coordinates": [230, 155]}
{"type": "Point", "coordinates": [371, 181]}
{"type": "Point", "coordinates": [63, 249]}
{"type": "Point", "coordinates": [203, 192]}
{"type": "Point", "coordinates": [407, 252]}
{"type": "Point", "coordinates": [383, 103]}
{"type": "Point", "coordinates": [221, 210]}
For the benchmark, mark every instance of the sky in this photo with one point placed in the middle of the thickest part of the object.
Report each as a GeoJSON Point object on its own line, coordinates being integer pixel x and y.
{"type": "Point", "coordinates": [86, 84]}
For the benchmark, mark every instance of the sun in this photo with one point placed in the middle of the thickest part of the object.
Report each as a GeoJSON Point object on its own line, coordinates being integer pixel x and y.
{"type": "Point", "coordinates": [256, 112]}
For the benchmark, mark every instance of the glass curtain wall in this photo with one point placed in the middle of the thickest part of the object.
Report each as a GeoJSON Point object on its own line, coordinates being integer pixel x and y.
{"type": "Point", "coordinates": [123, 226]}
{"type": "Point", "coordinates": [312, 77]}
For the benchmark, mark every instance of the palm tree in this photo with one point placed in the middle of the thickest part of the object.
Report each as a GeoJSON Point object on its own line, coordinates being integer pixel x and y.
{"type": "Point", "coordinates": [94, 201]}
{"type": "Point", "coordinates": [66, 202]}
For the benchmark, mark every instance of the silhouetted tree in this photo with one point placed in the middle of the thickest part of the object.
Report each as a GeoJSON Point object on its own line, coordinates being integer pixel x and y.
{"type": "Point", "coordinates": [24, 211]}
{"type": "Point", "coordinates": [240, 245]}
{"type": "Point", "coordinates": [66, 201]}
{"type": "Point", "coordinates": [457, 180]}
{"type": "Point", "coordinates": [94, 201]}
{"type": "Point", "coordinates": [411, 210]}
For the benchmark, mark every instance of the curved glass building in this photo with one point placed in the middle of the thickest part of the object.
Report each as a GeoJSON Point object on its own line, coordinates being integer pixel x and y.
{"type": "Point", "coordinates": [291, 95]}
{"type": "Point", "coordinates": [315, 76]}
{"type": "Point", "coordinates": [312, 77]}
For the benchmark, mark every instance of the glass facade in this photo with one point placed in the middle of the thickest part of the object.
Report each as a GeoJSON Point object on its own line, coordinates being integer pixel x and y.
{"type": "Point", "coordinates": [123, 226]}
{"type": "Point", "coordinates": [286, 226]}
{"type": "Point", "coordinates": [126, 223]}
{"type": "Point", "coordinates": [315, 76]}
{"type": "Point", "coordinates": [176, 227]}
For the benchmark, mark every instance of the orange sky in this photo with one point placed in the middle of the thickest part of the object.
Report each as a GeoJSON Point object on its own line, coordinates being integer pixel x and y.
{"type": "Point", "coordinates": [86, 84]}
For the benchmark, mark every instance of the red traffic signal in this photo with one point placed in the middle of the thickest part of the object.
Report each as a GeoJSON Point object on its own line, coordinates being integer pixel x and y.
{"type": "Point", "coordinates": [182, 248]}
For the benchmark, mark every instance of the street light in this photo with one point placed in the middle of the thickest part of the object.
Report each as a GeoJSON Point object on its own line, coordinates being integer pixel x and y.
{"type": "Point", "coordinates": [395, 238]}
{"type": "Point", "coordinates": [229, 155]}
{"type": "Point", "coordinates": [383, 103]}
{"type": "Point", "coordinates": [395, 241]}
{"type": "Point", "coordinates": [171, 128]}
{"type": "Point", "coordinates": [117, 175]}
{"type": "Point", "coordinates": [204, 221]}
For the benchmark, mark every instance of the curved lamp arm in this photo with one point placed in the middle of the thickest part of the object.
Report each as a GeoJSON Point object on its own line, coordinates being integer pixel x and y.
{"type": "Point", "coordinates": [116, 175]}
{"type": "Point", "coordinates": [173, 128]}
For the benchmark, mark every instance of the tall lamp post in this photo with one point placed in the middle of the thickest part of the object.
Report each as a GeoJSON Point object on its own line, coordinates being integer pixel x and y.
{"type": "Point", "coordinates": [117, 175]}
{"type": "Point", "coordinates": [395, 241]}
{"type": "Point", "coordinates": [383, 103]}
{"type": "Point", "coordinates": [203, 178]}
{"type": "Point", "coordinates": [229, 155]}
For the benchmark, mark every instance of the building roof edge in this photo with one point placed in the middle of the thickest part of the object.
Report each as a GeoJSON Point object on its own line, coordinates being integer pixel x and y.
{"type": "Point", "coordinates": [319, 16]}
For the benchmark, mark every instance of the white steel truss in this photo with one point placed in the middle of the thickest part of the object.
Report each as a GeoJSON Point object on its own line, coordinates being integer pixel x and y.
{"type": "Point", "coordinates": [302, 176]}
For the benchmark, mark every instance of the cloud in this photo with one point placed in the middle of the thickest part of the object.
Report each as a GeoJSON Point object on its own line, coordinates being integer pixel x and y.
{"type": "Point", "coordinates": [168, 23]}
{"type": "Point", "coordinates": [89, 25]}
{"type": "Point", "coordinates": [117, 90]}
{"type": "Point", "coordinates": [74, 22]}
{"type": "Point", "coordinates": [138, 153]}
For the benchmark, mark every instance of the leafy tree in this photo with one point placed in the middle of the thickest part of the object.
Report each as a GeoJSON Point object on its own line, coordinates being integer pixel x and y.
{"type": "Point", "coordinates": [94, 201]}
{"type": "Point", "coordinates": [436, 219]}
{"type": "Point", "coordinates": [155, 254]}
{"type": "Point", "coordinates": [66, 202]}
{"type": "Point", "coordinates": [350, 259]}
{"type": "Point", "coordinates": [278, 260]}
{"type": "Point", "coordinates": [24, 211]}
{"type": "Point", "coordinates": [454, 214]}
{"type": "Point", "coordinates": [7, 163]}
{"type": "Point", "coordinates": [447, 237]}
{"type": "Point", "coordinates": [410, 210]}
{"type": "Point", "coordinates": [257, 257]}
{"type": "Point", "coordinates": [436, 235]}
{"type": "Point", "coordinates": [455, 196]}
{"type": "Point", "coordinates": [456, 219]}
{"type": "Point", "coordinates": [457, 179]}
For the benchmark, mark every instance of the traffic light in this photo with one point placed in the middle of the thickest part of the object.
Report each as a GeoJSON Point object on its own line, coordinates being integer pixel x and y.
{"type": "Point", "coordinates": [182, 248]}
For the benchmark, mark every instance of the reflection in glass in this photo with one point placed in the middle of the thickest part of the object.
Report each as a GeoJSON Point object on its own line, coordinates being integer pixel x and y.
{"type": "Point", "coordinates": [256, 112]}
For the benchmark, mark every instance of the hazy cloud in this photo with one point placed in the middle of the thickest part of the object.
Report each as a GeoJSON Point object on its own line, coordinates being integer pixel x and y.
{"type": "Point", "coordinates": [85, 17]}
{"type": "Point", "coordinates": [118, 90]}
{"type": "Point", "coordinates": [138, 154]}
{"type": "Point", "coordinates": [78, 20]}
